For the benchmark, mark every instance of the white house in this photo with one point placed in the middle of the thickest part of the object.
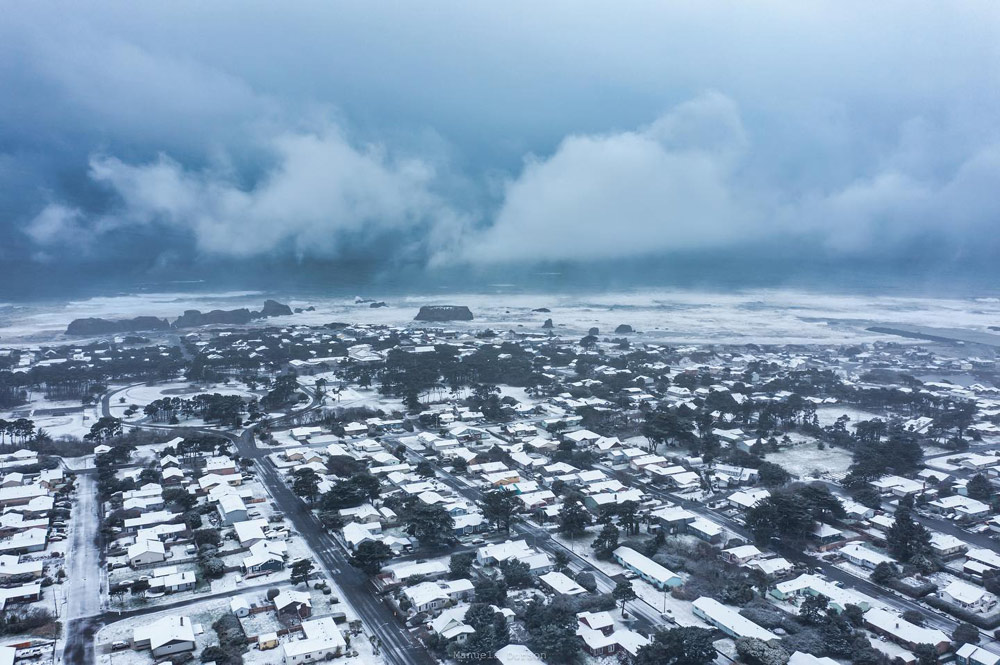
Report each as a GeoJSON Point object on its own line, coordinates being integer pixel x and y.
{"type": "Point", "coordinates": [728, 620]}
{"type": "Point", "coordinates": [863, 556]}
{"type": "Point", "coordinates": [146, 552]}
{"type": "Point", "coordinates": [646, 568]}
{"type": "Point", "coordinates": [323, 641]}
{"type": "Point", "coordinates": [970, 654]}
{"type": "Point", "coordinates": [169, 635]}
{"type": "Point", "coordinates": [517, 654]}
{"type": "Point", "coordinates": [968, 596]}
{"type": "Point", "coordinates": [561, 584]}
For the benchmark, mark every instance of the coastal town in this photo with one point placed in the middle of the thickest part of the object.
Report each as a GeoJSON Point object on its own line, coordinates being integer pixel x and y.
{"type": "Point", "coordinates": [243, 488]}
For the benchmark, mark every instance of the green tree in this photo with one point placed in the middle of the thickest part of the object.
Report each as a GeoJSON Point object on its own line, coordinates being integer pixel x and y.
{"type": "Point", "coordinates": [926, 654]}
{"type": "Point", "coordinates": [628, 517]}
{"type": "Point", "coordinates": [907, 539]}
{"type": "Point", "coordinates": [370, 556]}
{"type": "Point", "coordinates": [623, 592]}
{"type": "Point", "coordinates": [606, 542]}
{"type": "Point", "coordinates": [868, 496]}
{"type": "Point", "coordinates": [753, 651]}
{"type": "Point", "coordinates": [813, 609]}
{"type": "Point", "coordinates": [979, 488]}
{"type": "Point", "coordinates": [883, 573]}
{"type": "Point", "coordinates": [491, 633]}
{"type": "Point", "coordinates": [460, 565]}
{"type": "Point", "coordinates": [431, 525]}
{"type": "Point", "coordinates": [203, 537]}
{"type": "Point", "coordinates": [573, 518]}
{"type": "Point", "coordinates": [678, 646]}
{"type": "Point", "coordinates": [499, 508]}
{"type": "Point", "coordinates": [301, 570]}
{"type": "Point", "coordinates": [772, 475]}
{"type": "Point", "coordinates": [106, 427]}
{"type": "Point", "coordinates": [663, 426]}
{"type": "Point", "coordinates": [306, 484]}
{"type": "Point", "coordinates": [965, 633]}
{"type": "Point", "coordinates": [516, 574]}
{"type": "Point", "coordinates": [490, 591]}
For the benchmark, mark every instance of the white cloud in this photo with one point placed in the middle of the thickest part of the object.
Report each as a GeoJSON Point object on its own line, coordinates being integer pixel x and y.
{"type": "Point", "coordinates": [319, 191]}
{"type": "Point", "coordinates": [667, 186]}
{"type": "Point", "coordinates": [687, 182]}
{"type": "Point", "coordinates": [57, 224]}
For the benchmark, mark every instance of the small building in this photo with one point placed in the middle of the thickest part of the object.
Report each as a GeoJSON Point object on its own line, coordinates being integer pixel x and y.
{"type": "Point", "coordinates": [839, 598]}
{"type": "Point", "coordinates": [708, 531]}
{"type": "Point", "coordinates": [561, 584]}
{"type": "Point", "coordinates": [232, 509]}
{"type": "Point", "coordinates": [740, 555]}
{"type": "Point", "coordinates": [167, 636]}
{"type": "Point", "coordinates": [728, 620]}
{"type": "Point", "coordinates": [969, 597]}
{"type": "Point", "coordinates": [970, 654]}
{"type": "Point", "coordinates": [646, 568]}
{"type": "Point", "coordinates": [903, 632]}
{"type": "Point", "coordinates": [146, 552]}
{"type": "Point", "coordinates": [517, 654]}
{"type": "Point", "coordinates": [291, 602]}
{"type": "Point", "coordinates": [865, 557]}
{"type": "Point", "coordinates": [323, 641]}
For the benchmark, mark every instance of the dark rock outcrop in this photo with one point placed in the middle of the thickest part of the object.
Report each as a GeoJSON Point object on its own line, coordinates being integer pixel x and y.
{"type": "Point", "coordinates": [444, 313]}
{"type": "Point", "coordinates": [547, 324]}
{"type": "Point", "coordinates": [275, 308]}
{"type": "Point", "coordinates": [594, 331]}
{"type": "Point", "coordinates": [189, 319]}
{"type": "Point", "coordinates": [110, 327]}
{"type": "Point", "coordinates": [623, 329]}
{"type": "Point", "coordinates": [543, 310]}
{"type": "Point", "coordinates": [376, 305]}
{"type": "Point", "coordinates": [192, 317]}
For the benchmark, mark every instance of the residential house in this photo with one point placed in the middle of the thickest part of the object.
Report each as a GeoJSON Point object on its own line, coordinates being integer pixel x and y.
{"type": "Point", "coordinates": [903, 632]}
{"type": "Point", "coordinates": [646, 568]}
{"type": "Point", "coordinates": [729, 620]}
{"type": "Point", "coordinates": [322, 641]}
{"type": "Point", "coordinates": [164, 637]}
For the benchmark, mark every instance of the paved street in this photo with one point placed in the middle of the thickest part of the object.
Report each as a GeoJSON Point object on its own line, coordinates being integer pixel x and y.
{"type": "Point", "coordinates": [398, 645]}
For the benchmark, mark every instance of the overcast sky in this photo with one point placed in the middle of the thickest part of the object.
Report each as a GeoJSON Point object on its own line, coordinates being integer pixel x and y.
{"type": "Point", "coordinates": [155, 136]}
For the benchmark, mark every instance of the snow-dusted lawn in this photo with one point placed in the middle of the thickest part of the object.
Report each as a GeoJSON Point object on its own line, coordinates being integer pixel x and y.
{"type": "Point", "coordinates": [804, 458]}
{"type": "Point", "coordinates": [331, 378]}
{"type": "Point", "coordinates": [75, 422]}
{"type": "Point", "coordinates": [142, 395]}
{"type": "Point", "coordinates": [202, 616]}
{"type": "Point", "coordinates": [360, 397]}
{"type": "Point", "coordinates": [827, 415]}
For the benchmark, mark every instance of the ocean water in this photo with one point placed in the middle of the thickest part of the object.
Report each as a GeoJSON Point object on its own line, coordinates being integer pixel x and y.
{"type": "Point", "coordinates": [761, 316]}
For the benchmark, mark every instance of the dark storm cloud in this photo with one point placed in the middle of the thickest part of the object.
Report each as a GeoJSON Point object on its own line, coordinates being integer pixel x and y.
{"type": "Point", "coordinates": [472, 132]}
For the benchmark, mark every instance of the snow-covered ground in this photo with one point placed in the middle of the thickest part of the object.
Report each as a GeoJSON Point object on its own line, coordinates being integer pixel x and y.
{"type": "Point", "coordinates": [827, 415]}
{"type": "Point", "coordinates": [806, 460]}
{"type": "Point", "coordinates": [57, 417]}
{"type": "Point", "coordinates": [363, 398]}
{"type": "Point", "coordinates": [141, 395]}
